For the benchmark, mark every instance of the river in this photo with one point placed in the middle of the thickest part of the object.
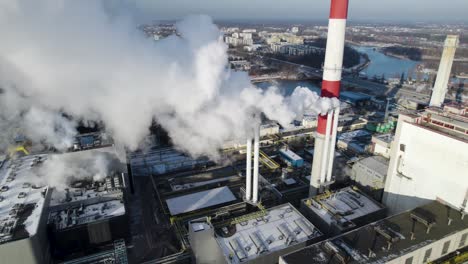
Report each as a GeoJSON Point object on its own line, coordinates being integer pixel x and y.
{"type": "Point", "coordinates": [380, 63]}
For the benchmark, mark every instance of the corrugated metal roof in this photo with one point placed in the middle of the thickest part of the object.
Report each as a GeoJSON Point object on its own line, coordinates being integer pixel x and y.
{"type": "Point", "coordinates": [199, 200]}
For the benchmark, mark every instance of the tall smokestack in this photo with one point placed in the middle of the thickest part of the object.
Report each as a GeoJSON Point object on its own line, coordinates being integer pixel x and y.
{"type": "Point", "coordinates": [443, 75]}
{"type": "Point", "coordinates": [330, 88]}
{"type": "Point", "coordinates": [248, 171]}
{"type": "Point", "coordinates": [256, 158]}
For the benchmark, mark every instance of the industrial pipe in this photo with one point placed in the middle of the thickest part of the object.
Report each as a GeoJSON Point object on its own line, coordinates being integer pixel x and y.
{"type": "Point", "coordinates": [330, 86]}
{"type": "Point", "coordinates": [256, 158]}
{"type": "Point", "coordinates": [331, 158]}
{"type": "Point", "coordinates": [326, 149]}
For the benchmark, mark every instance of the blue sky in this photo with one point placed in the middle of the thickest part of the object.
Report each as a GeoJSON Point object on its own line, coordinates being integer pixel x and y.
{"type": "Point", "coordinates": [383, 10]}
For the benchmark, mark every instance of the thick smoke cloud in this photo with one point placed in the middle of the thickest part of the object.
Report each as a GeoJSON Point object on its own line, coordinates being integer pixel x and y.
{"type": "Point", "coordinates": [72, 57]}
{"type": "Point", "coordinates": [60, 171]}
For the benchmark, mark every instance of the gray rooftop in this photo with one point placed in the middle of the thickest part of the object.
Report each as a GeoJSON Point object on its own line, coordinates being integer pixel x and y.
{"type": "Point", "coordinates": [343, 205]}
{"type": "Point", "coordinates": [376, 163]}
{"type": "Point", "coordinates": [282, 226]}
{"type": "Point", "coordinates": [199, 200]}
{"type": "Point", "coordinates": [394, 231]}
{"type": "Point", "coordinates": [80, 215]}
{"type": "Point", "coordinates": [21, 203]}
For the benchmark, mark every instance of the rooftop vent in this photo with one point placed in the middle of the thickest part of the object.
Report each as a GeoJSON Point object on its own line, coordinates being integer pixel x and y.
{"type": "Point", "coordinates": [424, 217]}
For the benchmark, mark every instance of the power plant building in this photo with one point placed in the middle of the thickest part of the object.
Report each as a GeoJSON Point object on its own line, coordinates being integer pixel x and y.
{"type": "Point", "coordinates": [428, 161]}
{"type": "Point", "coordinates": [23, 213]}
{"type": "Point", "coordinates": [342, 210]}
{"type": "Point", "coordinates": [259, 237]}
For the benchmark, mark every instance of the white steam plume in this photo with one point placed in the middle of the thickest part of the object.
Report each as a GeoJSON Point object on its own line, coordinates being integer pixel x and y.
{"type": "Point", "coordinates": [59, 56]}
{"type": "Point", "coordinates": [60, 170]}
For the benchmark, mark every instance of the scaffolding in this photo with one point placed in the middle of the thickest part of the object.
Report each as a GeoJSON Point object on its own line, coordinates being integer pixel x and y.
{"type": "Point", "coordinates": [267, 161]}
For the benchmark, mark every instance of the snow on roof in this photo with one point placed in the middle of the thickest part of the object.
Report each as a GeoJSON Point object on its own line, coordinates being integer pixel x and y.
{"type": "Point", "coordinates": [282, 227]}
{"type": "Point", "coordinates": [290, 154]}
{"type": "Point", "coordinates": [199, 200]}
{"type": "Point", "coordinates": [86, 214]}
{"type": "Point", "coordinates": [111, 186]}
{"type": "Point", "coordinates": [346, 204]}
{"type": "Point", "coordinates": [21, 204]}
{"type": "Point", "coordinates": [349, 136]}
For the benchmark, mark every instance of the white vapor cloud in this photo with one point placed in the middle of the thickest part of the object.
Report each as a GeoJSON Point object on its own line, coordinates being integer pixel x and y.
{"type": "Point", "coordinates": [59, 56]}
{"type": "Point", "coordinates": [59, 171]}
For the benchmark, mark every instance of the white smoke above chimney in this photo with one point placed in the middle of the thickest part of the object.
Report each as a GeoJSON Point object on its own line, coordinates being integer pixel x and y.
{"type": "Point", "coordinates": [76, 58]}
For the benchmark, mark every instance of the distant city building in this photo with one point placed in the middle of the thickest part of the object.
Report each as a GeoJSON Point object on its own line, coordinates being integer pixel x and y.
{"type": "Point", "coordinates": [239, 39]}
{"type": "Point", "coordinates": [428, 161]}
{"type": "Point", "coordinates": [294, 30]}
{"type": "Point", "coordinates": [249, 30]}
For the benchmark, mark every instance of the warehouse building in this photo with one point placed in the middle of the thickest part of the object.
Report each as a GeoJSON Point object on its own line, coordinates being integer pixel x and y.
{"type": "Point", "coordinates": [291, 158]}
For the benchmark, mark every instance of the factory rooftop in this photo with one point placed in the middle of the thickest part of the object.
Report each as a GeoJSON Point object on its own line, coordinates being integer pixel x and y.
{"type": "Point", "coordinates": [156, 161]}
{"type": "Point", "coordinates": [386, 240]}
{"type": "Point", "coordinates": [91, 141]}
{"type": "Point", "coordinates": [446, 122]}
{"type": "Point", "coordinates": [89, 191]}
{"type": "Point", "coordinates": [342, 206]}
{"type": "Point", "coordinates": [200, 200]}
{"type": "Point", "coordinates": [80, 215]}
{"type": "Point", "coordinates": [21, 203]}
{"type": "Point", "coordinates": [386, 138]}
{"type": "Point", "coordinates": [280, 227]}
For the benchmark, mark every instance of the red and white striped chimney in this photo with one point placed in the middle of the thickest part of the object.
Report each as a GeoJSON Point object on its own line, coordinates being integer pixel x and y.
{"type": "Point", "coordinates": [325, 136]}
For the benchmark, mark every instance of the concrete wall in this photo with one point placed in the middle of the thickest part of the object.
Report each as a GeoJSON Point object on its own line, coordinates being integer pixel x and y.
{"type": "Point", "coordinates": [380, 149]}
{"type": "Point", "coordinates": [432, 165]}
{"type": "Point", "coordinates": [437, 246]}
{"type": "Point", "coordinates": [367, 176]}
{"type": "Point", "coordinates": [204, 245]}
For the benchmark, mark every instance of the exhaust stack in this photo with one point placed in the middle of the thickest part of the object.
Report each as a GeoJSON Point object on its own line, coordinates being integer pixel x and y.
{"type": "Point", "coordinates": [248, 171]}
{"type": "Point", "coordinates": [251, 189]}
{"type": "Point", "coordinates": [255, 169]}
{"type": "Point", "coordinates": [443, 74]}
{"type": "Point", "coordinates": [324, 142]}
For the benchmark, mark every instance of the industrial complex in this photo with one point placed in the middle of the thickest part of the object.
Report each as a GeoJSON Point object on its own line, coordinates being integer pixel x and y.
{"type": "Point", "coordinates": [365, 182]}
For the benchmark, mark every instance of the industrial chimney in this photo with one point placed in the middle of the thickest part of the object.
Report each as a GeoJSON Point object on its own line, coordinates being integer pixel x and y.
{"type": "Point", "coordinates": [251, 190]}
{"type": "Point", "coordinates": [443, 75]}
{"type": "Point", "coordinates": [325, 138]}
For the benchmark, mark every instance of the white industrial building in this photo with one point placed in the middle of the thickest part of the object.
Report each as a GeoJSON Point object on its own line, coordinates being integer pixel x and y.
{"type": "Point", "coordinates": [370, 174]}
{"type": "Point", "coordinates": [429, 161]}
{"type": "Point", "coordinates": [381, 144]}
